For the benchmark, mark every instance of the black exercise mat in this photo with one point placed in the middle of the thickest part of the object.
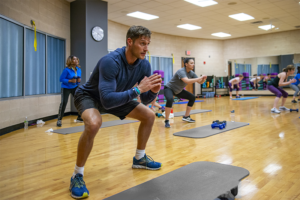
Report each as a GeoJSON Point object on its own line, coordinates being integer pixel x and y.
{"type": "Point", "coordinates": [206, 131]}
{"type": "Point", "coordinates": [196, 181]}
{"type": "Point", "coordinates": [182, 113]}
{"type": "Point", "coordinates": [81, 128]}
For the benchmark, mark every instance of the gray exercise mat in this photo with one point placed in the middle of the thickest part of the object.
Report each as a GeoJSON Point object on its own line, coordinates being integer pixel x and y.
{"type": "Point", "coordinates": [206, 131]}
{"type": "Point", "coordinates": [196, 181]}
{"type": "Point", "coordinates": [178, 114]}
{"type": "Point", "coordinates": [81, 128]}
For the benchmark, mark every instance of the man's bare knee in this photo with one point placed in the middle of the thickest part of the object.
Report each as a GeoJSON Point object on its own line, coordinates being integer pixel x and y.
{"type": "Point", "coordinates": [148, 116]}
{"type": "Point", "coordinates": [93, 127]}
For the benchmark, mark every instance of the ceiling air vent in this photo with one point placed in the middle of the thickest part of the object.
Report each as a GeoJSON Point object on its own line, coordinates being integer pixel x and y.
{"type": "Point", "coordinates": [257, 22]}
{"type": "Point", "coordinates": [297, 26]}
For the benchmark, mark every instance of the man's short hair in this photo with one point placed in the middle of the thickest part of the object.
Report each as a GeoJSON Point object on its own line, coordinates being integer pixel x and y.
{"type": "Point", "coordinates": [135, 32]}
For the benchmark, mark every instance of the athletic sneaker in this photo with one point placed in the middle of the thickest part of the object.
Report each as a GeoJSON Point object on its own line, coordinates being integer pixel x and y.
{"type": "Point", "coordinates": [274, 110]}
{"type": "Point", "coordinates": [294, 101]}
{"type": "Point", "coordinates": [230, 97]}
{"type": "Point", "coordinates": [77, 187]}
{"type": "Point", "coordinates": [283, 108]}
{"type": "Point", "coordinates": [167, 125]}
{"type": "Point", "coordinates": [58, 123]}
{"type": "Point", "coordinates": [146, 162]}
{"type": "Point", "coordinates": [79, 119]}
{"type": "Point", "coordinates": [188, 119]}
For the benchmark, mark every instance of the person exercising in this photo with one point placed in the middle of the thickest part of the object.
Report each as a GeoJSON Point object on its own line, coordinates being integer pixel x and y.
{"type": "Point", "coordinates": [109, 90]}
{"type": "Point", "coordinates": [279, 81]}
{"type": "Point", "coordinates": [175, 87]}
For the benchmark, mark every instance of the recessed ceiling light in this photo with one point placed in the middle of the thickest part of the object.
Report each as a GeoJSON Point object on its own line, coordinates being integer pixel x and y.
{"type": "Point", "coordinates": [189, 27]}
{"type": "Point", "coordinates": [202, 3]}
{"type": "Point", "coordinates": [221, 34]}
{"type": "Point", "coordinates": [266, 27]}
{"type": "Point", "coordinates": [241, 17]}
{"type": "Point", "coordinates": [142, 15]}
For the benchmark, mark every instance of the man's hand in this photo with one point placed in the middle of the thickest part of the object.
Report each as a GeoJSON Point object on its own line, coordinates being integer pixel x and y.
{"type": "Point", "coordinates": [78, 80]}
{"type": "Point", "coordinates": [152, 83]}
{"type": "Point", "coordinates": [292, 80]}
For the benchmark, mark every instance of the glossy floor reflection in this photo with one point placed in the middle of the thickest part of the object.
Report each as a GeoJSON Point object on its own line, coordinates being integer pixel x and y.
{"type": "Point", "coordinates": [38, 165]}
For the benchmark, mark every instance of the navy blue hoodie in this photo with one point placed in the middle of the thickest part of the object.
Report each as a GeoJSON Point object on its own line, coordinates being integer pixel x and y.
{"type": "Point", "coordinates": [113, 78]}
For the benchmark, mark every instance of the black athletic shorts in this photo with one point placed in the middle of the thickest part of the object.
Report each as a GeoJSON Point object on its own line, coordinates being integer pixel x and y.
{"type": "Point", "coordinates": [83, 100]}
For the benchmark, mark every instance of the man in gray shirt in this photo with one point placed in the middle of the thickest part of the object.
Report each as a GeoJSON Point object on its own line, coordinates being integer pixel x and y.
{"type": "Point", "coordinates": [175, 87]}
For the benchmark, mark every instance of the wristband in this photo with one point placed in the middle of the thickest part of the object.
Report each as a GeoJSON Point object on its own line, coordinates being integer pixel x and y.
{"type": "Point", "coordinates": [137, 89]}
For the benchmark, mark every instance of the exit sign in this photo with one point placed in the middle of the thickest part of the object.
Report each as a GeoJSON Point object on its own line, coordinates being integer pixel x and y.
{"type": "Point", "coordinates": [188, 53]}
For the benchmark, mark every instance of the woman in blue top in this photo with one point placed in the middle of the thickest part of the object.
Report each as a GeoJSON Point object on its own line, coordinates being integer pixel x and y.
{"type": "Point", "coordinates": [295, 86]}
{"type": "Point", "coordinates": [70, 80]}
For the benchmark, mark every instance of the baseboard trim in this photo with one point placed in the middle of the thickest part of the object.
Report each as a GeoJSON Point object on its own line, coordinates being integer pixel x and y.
{"type": "Point", "coordinates": [15, 127]}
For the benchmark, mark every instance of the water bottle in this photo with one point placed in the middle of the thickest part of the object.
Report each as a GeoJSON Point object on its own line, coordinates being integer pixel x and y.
{"type": "Point", "coordinates": [232, 116]}
{"type": "Point", "coordinates": [26, 123]}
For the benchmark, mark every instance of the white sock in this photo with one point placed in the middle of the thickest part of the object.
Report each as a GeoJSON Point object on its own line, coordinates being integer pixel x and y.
{"type": "Point", "coordinates": [78, 170]}
{"type": "Point", "coordinates": [139, 154]}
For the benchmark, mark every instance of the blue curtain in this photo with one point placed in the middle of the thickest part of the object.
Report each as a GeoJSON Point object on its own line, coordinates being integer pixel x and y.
{"type": "Point", "coordinates": [166, 64]}
{"type": "Point", "coordinates": [266, 69]}
{"type": "Point", "coordinates": [240, 68]}
{"type": "Point", "coordinates": [35, 64]}
{"type": "Point", "coordinates": [162, 63]}
{"type": "Point", "coordinates": [11, 59]}
{"type": "Point", "coordinates": [55, 63]}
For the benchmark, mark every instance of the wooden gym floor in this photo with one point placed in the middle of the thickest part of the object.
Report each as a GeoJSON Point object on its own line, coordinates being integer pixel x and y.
{"type": "Point", "coordinates": [37, 165]}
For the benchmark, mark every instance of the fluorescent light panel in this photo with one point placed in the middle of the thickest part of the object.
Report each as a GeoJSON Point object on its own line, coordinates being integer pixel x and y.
{"type": "Point", "coordinates": [202, 3]}
{"type": "Point", "coordinates": [221, 34]}
{"type": "Point", "coordinates": [142, 15]}
{"type": "Point", "coordinates": [266, 27]}
{"type": "Point", "coordinates": [189, 26]}
{"type": "Point", "coordinates": [241, 17]}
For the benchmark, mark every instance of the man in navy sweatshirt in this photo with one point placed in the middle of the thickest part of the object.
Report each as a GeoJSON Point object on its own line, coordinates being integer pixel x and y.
{"type": "Point", "coordinates": [110, 89]}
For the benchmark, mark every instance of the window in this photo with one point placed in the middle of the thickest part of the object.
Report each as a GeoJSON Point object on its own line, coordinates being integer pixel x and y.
{"type": "Point", "coordinates": [11, 59]}
{"type": "Point", "coordinates": [162, 63]}
{"type": "Point", "coordinates": [240, 68]}
{"type": "Point", "coordinates": [55, 63]}
{"type": "Point", "coordinates": [35, 64]}
{"type": "Point", "coordinates": [267, 69]}
{"type": "Point", "coordinates": [24, 71]}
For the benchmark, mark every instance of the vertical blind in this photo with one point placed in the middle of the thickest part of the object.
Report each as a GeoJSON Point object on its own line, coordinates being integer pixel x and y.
{"type": "Point", "coordinates": [11, 59]}
{"type": "Point", "coordinates": [35, 64]}
{"type": "Point", "coordinates": [55, 63]}
{"type": "Point", "coordinates": [23, 71]}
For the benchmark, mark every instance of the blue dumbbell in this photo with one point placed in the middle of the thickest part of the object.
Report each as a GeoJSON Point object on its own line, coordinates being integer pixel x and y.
{"type": "Point", "coordinates": [297, 110]}
{"type": "Point", "coordinates": [158, 115]}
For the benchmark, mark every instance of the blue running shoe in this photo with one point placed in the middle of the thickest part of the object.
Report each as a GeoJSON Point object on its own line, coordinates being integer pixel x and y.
{"type": "Point", "coordinates": [77, 187]}
{"type": "Point", "coordinates": [146, 162]}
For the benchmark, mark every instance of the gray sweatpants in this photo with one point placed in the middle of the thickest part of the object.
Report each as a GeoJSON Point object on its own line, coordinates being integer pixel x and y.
{"type": "Point", "coordinates": [296, 88]}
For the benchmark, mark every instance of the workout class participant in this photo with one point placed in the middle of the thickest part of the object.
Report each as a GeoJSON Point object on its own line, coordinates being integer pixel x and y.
{"type": "Point", "coordinates": [254, 81]}
{"type": "Point", "coordinates": [175, 87]}
{"type": "Point", "coordinates": [109, 89]}
{"type": "Point", "coordinates": [70, 80]}
{"type": "Point", "coordinates": [295, 86]}
{"type": "Point", "coordinates": [279, 81]}
{"type": "Point", "coordinates": [234, 84]}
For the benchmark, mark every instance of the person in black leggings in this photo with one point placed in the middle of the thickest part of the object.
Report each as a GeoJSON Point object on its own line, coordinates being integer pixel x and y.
{"type": "Point", "coordinates": [279, 81]}
{"type": "Point", "coordinates": [175, 87]}
{"type": "Point", "coordinates": [70, 80]}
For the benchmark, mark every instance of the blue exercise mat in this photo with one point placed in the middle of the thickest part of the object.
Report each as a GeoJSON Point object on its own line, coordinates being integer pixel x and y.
{"type": "Point", "coordinates": [245, 98]}
{"type": "Point", "coordinates": [185, 102]}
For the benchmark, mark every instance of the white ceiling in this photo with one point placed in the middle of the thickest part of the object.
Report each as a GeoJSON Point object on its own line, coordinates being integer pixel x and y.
{"type": "Point", "coordinates": [284, 14]}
